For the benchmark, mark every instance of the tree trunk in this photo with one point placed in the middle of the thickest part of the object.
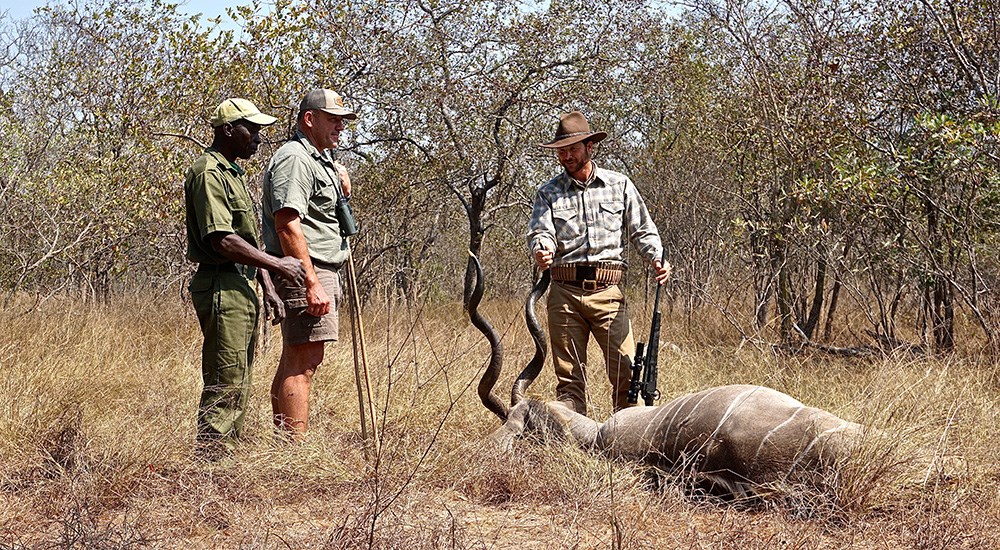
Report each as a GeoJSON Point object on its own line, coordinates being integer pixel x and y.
{"type": "Point", "coordinates": [476, 232]}
{"type": "Point", "coordinates": [834, 298]}
{"type": "Point", "coordinates": [942, 313]}
{"type": "Point", "coordinates": [809, 326]}
{"type": "Point", "coordinates": [943, 316]}
{"type": "Point", "coordinates": [765, 276]}
{"type": "Point", "coordinates": [783, 301]}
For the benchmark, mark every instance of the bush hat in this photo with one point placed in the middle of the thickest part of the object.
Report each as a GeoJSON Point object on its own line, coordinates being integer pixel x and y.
{"type": "Point", "coordinates": [327, 101]}
{"type": "Point", "coordinates": [573, 127]}
{"type": "Point", "coordinates": [236, 108]}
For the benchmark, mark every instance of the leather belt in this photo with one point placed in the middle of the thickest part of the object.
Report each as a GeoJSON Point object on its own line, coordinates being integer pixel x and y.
{"type": "Point", "coordinates": [589, 275]}
{"type": "Point", "coordinates": [247, 271]}
{"type": "Point", "coordinates": [325, 265]}
{"type": "Point", "coordinates": [589, 286]}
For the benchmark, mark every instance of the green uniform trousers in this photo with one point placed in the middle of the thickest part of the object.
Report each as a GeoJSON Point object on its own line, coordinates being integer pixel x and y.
{"type": "Point", "coordinates": [574, 314]}
{"type": "Point", "coordinates": [227, 307]}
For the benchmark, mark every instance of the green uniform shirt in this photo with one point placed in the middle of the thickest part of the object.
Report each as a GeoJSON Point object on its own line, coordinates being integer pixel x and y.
{"type": "Point", "coordinates": [301, 178]}
{"type": "Point", "coordinates": [217, 200]}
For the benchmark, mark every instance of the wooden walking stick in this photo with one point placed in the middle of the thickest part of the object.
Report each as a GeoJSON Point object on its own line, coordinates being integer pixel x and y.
{"type": "Point", "coordinates": [361, 355]}
{"type": "Point", "coordinates": [349, 228]}
{"type": "Point", "coordinates": [357, 369]}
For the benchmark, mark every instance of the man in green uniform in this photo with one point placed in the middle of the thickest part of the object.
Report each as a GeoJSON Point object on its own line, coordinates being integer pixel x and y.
{"type": "Point", "coordinates": [223, 239]}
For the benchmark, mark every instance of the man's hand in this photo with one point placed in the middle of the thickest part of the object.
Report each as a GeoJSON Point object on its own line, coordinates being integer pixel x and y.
{"type": "Point", "coordinates": [290, 269]}
{"type": "Point", "coordinates": [317, 300]}
{"type": "Point", "coordinates": [275, 306]}
{"type": "Point", "coordinates": [543, 258]}
{"type": "Point", "coordinates": [663, 271]}
{"type": "Point", "coordinates": [345, 178]}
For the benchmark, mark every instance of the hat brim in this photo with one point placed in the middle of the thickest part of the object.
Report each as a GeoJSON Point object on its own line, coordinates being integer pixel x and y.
{"type": "Point", "coordinates": [349, 115]}
{"type": "Point", "coordinates": [261, 119]}
{"type": "Point", "coordinates": [565, 142]}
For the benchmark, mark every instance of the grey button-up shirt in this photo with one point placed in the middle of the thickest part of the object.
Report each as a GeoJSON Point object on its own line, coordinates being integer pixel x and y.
{"type": "Point", "coordinates": [590, 223]}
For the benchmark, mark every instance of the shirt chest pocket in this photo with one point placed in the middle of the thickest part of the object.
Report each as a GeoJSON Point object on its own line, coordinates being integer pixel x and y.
{"type": "Point", "coordinates": [324, 196]}
{"type": "Point", "coordinates": [610, 215]}
{"type": "Point", "coordinates": [567, 223]}
{"type": "Point", "coordinates": [244, 217]}
{"type": "Point", "coordinates": [244, 220]}
{"type": "Point", "coordinates": [238, 199]}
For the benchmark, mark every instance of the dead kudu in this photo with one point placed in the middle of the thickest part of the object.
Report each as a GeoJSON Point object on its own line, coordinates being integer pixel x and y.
{"type": "Point", "coordinates": [732, 440]}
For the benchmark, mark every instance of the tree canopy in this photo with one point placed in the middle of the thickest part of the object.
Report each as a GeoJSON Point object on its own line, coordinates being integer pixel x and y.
{"type": "Point", "coordinates": [822, 171]}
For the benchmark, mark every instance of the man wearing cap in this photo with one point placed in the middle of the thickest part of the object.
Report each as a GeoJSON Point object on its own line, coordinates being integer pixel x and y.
{"type": "Point", "coordinates": [302, 185]}
{"type": "Point", "coordinates": [222, 237]}
{"type": "Point", "coordinates": [578, 227]}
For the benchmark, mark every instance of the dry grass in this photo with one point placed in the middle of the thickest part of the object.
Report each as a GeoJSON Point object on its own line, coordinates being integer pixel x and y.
{"type": "Point", "coordinates": [98, 424]}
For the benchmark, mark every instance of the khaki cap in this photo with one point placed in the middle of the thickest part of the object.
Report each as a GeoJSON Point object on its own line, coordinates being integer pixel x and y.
{"type": "Point", "coordinates": [236, 108]}
{"type": "Point", "coordinates": [572, 128]}
{"type": "Point", "coordinates": [327, 101]}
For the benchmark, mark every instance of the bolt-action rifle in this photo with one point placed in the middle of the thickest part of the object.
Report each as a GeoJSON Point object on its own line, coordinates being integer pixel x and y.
{"type": "Point", "coordinates": [644, 371]}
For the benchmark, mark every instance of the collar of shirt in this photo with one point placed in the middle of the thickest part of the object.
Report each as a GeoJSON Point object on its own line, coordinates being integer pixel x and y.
{"type": "Point", "coordinates": [309, 147]}
{"type": "Point", "coordinates": [325, 156]}
{"type": "Point", "coordinates": [582, 185]}
{"type": "Point", "coordinates": [224, 162]}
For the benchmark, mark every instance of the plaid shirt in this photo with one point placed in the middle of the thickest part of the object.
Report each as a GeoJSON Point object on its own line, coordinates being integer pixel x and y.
{"type": "Point", "coordinates": [585, 221]}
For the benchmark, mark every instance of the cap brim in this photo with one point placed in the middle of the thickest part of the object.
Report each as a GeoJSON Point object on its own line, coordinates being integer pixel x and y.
{"type": "Point", "coordinates": [593, 136]}
{"type": "Point", "coordinates": [349, 115]}
{"type": "Point", "coordinates": [261, 119]}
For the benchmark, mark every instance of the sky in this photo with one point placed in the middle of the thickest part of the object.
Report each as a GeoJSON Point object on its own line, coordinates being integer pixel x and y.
{"type": "Point", "coordinates": [20, 9]}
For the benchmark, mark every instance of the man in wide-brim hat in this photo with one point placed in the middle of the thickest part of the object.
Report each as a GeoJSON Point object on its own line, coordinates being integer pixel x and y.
{"type": "Point", "coordinates": [577, 229]}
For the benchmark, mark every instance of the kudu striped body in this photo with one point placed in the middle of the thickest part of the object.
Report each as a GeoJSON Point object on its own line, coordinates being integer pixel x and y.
{"type": "Point", "coordinates": [736, 438]}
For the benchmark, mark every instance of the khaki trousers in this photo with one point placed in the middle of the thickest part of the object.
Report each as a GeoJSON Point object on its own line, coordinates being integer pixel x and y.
{"type": "Point", "coordinates": [574, 314]}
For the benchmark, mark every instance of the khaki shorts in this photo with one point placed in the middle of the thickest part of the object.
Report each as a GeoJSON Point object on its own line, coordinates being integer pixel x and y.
{"type": "Point", "coordinates": [300, 327]}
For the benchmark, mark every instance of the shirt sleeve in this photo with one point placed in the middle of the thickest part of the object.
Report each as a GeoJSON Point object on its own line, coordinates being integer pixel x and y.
{"type": "Point", "coordinates": [640, 224]}
{"type": "Point", "coordinates": [541, 231]}
{"type": "Point", "coordinates": [213, 213]}
{"type": "Point", "coordinates": [291, 184]}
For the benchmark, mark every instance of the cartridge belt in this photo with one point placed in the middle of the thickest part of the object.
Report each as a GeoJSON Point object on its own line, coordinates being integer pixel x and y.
{"type": "Point", "coordinates": [589, 275]}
